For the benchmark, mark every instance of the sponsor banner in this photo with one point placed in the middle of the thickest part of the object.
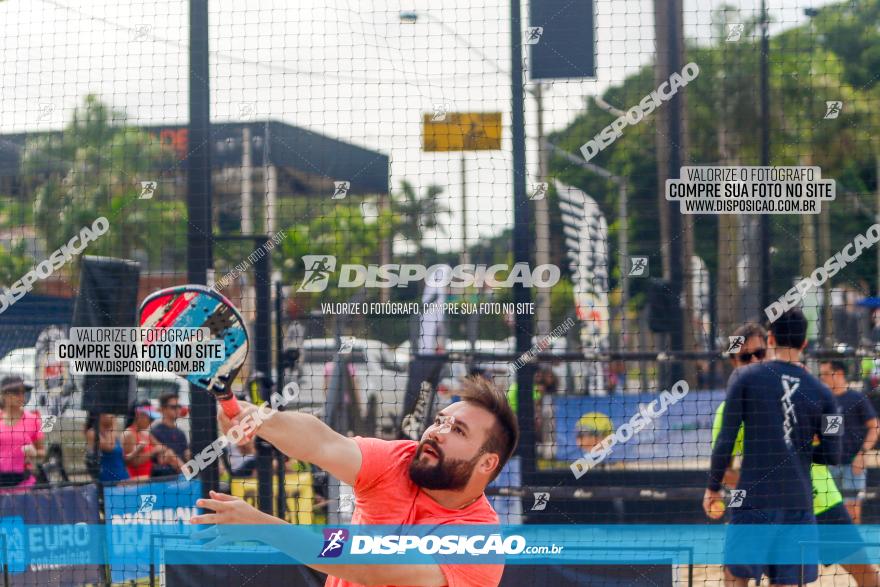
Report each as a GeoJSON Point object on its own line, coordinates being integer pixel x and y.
{"type": "Point", "coordinates": [529, 545]}
{"type": "Point", "coordinates": [683, 431]}
{"type": "Point", "coordinates": [50, 536]}
{"type": "Point", "coordinates": [605, 544]}
{"type": "Point", "coordinates": [137, 516]}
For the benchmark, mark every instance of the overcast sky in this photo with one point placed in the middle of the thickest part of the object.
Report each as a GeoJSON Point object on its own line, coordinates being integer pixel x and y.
{"type": "Point", "coordinates": [352, 71]}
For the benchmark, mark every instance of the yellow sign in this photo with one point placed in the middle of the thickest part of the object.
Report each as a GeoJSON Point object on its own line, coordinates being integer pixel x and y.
{"type": "Point", "coordinates": [462, 131]}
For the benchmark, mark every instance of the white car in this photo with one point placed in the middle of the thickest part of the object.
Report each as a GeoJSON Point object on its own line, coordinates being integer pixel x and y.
{"type": "Point", "coordinates": [380, 380]}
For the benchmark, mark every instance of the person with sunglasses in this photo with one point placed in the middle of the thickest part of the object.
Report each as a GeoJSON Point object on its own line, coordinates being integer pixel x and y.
{"type": "Point", "coordinates": [21, 436]}
{"type": "Point", "coordinates": [753, 349]}
{"type": "Point", "coordinates": [166, 431]}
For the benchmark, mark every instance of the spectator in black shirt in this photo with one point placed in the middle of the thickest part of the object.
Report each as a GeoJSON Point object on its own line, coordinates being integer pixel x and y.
{"type": "Point", "coordinates": [859, 434]}
{"type": "Point", "coordinates": [167, 432]}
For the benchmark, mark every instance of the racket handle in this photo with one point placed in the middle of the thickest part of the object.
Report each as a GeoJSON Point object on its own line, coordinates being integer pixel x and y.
{"type": "Point", "coordinates": [230, 407]}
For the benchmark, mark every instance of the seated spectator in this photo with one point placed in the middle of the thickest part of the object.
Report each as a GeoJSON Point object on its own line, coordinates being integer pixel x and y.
{"type": "Point", "coordinates": [111, 464]}
{"type": "Point", "coordinates": [139, 446]}
{"type": "Point", "coordinates": [166, 431]}
{"type": "Point", "coordinates": [21, 436]}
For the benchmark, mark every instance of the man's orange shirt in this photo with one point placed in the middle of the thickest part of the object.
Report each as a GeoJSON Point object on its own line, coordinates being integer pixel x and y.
{"type": "Point", "coordinates": [384, 494]}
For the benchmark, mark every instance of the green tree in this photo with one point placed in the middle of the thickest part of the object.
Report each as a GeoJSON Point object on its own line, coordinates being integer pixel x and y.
{"type": "Point", "coordinates": [833, 57]}
{"type": "Point", "coordinates": [14, 263]}
{"type": "Point", "coordinates": [417, 215]}
{"type": "Point", "coordinates": [96, 167]}
{"type": "Point", "coordinates": [342, 232]}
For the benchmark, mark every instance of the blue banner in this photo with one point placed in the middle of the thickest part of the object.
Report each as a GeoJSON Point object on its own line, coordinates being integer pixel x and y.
{"type": "Point", "coordinates": [50, 536]}
{"type": "Point", "coordinates": [139, 515]}
{"type": "Point", "coordinates": [683, 431]}
{"type": "Point", "coordinates": [713, 544]}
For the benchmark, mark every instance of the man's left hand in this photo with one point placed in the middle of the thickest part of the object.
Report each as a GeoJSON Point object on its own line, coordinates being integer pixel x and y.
{"type": "Point", "coordinates": [229, 510]}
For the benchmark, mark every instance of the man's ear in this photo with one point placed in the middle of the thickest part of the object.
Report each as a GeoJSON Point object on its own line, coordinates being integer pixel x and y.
{"type": "Point", "coordinates": [489, 463]}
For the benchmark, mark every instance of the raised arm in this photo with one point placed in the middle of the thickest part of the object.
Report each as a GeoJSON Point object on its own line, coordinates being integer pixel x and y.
{"type": "Point", "coordinates": [302, 437]}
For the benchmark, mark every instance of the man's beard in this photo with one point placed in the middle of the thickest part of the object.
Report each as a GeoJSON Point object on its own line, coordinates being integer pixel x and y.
{"type": "Point", "coordinates": [451, 475]}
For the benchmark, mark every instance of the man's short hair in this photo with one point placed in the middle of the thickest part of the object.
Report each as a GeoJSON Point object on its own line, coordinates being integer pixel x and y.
{"type": "Point", "coordinates": [751, 330]}
{"type": "Point", "coordinates": [836, 365]}
{"type": "Point", "coordinates": [790, 329]}
{"type": "Point", "coordinates": [167, 397]}
{"type": "Point", "coordinates": [502, 438]}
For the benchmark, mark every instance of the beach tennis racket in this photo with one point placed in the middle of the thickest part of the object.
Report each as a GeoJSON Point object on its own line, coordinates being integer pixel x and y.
{"type": "Point", "coordinates": [198, 306]}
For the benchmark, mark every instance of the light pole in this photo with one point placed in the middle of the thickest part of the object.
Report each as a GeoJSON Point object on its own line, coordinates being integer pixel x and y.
{"type": "Point", "coordinates": [522, 218]}
{"type": "Point", "coordinates": [542, 206]}
{"type": "Point", "coordinates": [412, 17]}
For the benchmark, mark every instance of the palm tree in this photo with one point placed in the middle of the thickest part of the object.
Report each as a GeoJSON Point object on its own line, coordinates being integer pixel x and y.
{"type": "Point", "coordinates": [419, 215]}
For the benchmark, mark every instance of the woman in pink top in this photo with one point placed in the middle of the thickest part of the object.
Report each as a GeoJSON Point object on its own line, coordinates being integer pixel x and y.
{"type": "Point", "coordinates": [21, 436]}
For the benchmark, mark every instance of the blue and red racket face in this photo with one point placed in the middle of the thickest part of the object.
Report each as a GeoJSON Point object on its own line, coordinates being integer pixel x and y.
{"type": "Point", "coordinates": [198, 306]}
